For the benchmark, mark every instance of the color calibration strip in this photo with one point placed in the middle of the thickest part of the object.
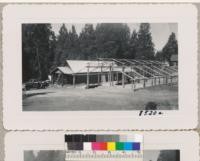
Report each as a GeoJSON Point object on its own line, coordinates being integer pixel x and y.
{"type": "Point", "coordinates": [104, 142]}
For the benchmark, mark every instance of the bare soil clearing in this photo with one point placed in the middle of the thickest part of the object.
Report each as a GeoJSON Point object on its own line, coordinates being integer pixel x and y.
{"type": "Point", "coordinates": [101, 98]}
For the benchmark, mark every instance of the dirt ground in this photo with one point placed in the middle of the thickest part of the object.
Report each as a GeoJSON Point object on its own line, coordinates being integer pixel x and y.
{"type": "Point", "coordinates": [101, 98]}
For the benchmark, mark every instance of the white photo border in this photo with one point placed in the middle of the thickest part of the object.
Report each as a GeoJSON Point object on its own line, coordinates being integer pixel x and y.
{"type": "Point", "coordinates": [183, 14]}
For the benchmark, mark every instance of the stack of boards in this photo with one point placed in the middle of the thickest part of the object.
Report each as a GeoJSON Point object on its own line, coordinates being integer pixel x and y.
{"type": "Point", "coordinates": [103, 146]}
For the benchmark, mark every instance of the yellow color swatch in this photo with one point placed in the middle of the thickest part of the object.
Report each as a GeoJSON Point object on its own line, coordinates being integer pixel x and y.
{"type": "Point", "coordinates": [111, 146]}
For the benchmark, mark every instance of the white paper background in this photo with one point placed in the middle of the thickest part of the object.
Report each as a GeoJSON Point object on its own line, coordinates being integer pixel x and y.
{"type": "Point", "coordinates": [14, 15]}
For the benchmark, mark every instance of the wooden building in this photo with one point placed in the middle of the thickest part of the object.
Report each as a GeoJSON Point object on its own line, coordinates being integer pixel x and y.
{"type": "Point", "coordinates": [88, 72]}
{"type": "Point", "coordinates": [114, 71]}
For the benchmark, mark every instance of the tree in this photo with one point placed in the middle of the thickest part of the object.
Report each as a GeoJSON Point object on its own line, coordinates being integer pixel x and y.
{"type": "Point", "coordinates": [52, 53]}
{"type": "Point", "coordinates": [62, 46]}
{"type": "Point", "coordinates": [73, 47]}
{"type": "Point", "coordinates": [145, 46]}
{"type": "Point", "coordinates": [133, 45]}
{"type": "Point", "coordinates": [35, 50]}
{"type": "Point", "coordinates": [159, 56]}
{"type": "Point", "coordinates": [112, 40]}
{"type": "Point", "coordinates": [87, 40]}
{"type": "Point", "coordinates": [171, 47]}
{"type": "Point", "coordinates": [169, 155]}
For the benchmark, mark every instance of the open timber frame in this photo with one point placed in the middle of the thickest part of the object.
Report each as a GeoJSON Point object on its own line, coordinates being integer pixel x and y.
{"type": "Point", "coordinates": [128, 71]}
{"type": "Point", "coordinates": [140, 70]}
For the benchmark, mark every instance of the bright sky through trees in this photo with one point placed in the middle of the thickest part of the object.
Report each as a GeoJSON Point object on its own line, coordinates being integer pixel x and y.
{"type": "Point", "coordinates": [160, 31]}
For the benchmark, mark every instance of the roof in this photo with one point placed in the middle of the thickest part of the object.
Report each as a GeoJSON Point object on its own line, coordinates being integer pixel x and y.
{"type": "Point", "coordinates": [174, 57]}
{"type": "Point", "coordinates": [81, 66]}
{"type": "Point", "coordinates": [64, 70]}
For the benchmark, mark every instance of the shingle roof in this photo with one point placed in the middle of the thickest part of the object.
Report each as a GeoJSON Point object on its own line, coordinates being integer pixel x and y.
{"type": "Point", "coordinates": [80, 66]}
{"type": "Point", "coordinates": [65, 70]}
{"type": "Point", "coordinates": [174, 58]}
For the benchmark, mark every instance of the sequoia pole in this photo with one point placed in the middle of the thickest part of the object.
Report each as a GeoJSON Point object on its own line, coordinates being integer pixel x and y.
{"type": "Point", "coordinates": [74, 81]}
{"type": "Point", "coordinates": [123, 77]}
{"type": "Point", "coordinates": [88, 79]}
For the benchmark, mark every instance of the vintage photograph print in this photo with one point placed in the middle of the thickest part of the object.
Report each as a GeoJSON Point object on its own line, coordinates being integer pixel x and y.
{"type": "Point", "coordinates": [100, 66]}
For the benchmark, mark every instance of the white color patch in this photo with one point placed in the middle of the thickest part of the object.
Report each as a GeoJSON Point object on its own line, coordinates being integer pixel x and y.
{"type": "Point", "coordinates": [87, 146]}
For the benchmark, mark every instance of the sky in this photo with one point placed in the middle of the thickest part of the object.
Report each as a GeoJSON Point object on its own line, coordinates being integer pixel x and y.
{"type": "Point", "coordinates": [160, 31]}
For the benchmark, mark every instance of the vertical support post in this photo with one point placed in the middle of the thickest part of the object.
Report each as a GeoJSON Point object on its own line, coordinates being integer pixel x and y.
{"type": "Point", "coordinates": [131, 71]}
{"type": "Point", "coordinates": [74, 80]}
{"type": "Point", "coordinates": [123, 77]}
{"type": "Point", "coordinates": [110, 79]}
{"type": "Point", "coordinates": [166, 79]}
{"type": "Point", "coordinates": [155, 81]}
{"type": "Point", "coordinates": [159, 80]}
{"type": "Point", "coordinates": [112, 75]}
{"type": "Point", "coordinates": [101, 72]}
{"type": "Point", "coordinates": [98, 78]}
{"type": "Point", "coordinates": [151, 81]}
{"type": "Point", "coordinates": [134, 87]}
{"type": "Point", "coordinates": [132, 84]}
{"type": "Point", "coordinates": [52, 79]}
{"type": "Point", "coordinates": [62, 80]}
{"type": "Point", "coordinates": [98, 75]}
{"type": "Point", "coordinates": [144, 83]}
{"type": "Point", "coordinates": [88, 78]}
{"type": "Point", "coordinates": [143, 70]}
{"type": "Point", "coordinates": [117, 77]}
{"type": "Point", "coordinates": [171, 79]}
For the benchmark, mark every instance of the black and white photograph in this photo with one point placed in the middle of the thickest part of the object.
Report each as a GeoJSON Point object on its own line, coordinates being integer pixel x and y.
{"type": "Point", "coordinates": [59, 155]}
{"type": "Point", "coordinates": [99, 66]}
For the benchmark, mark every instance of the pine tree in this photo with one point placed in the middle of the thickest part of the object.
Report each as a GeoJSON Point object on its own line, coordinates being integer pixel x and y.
{"type": "Point", "coordinates": [52, 48]}
{"type": "Point", "coordinates": [145, 46]}
{"type": "Point", "coordinates": [112, 40]}
{"type": "Point", "coordinates": [159, 56]}
{"type": "Point", "coordinates": [62, 46]}
{"type": "Point", "coordinates": [171, 47]}
{"type": "Point", "coordinates": [133, 45]}
{"type": "Point", "coordinates": [73, 44]}
{"type": "Point", "coordinates": [35, 50]}
{"type": "Point", "coordinates": [87, 40]}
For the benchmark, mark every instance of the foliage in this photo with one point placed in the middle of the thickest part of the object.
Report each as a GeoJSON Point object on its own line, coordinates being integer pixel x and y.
{"type": "Point", "coordinates": [112, 40]}
{"type": "Point", "coordinates": [171, 48]}
{"type": "Point", "coordinates": [169, 155]}
{"type": "Point", "coordinates": [145, 46]}
{"type": "Point", "coordinates": [42, 50]}
{"type": "Point", "coordinates": [37, 51]}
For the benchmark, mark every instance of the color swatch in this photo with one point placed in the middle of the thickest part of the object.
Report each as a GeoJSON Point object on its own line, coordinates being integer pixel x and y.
{"type": "Point", "coordinates": [106, 142]}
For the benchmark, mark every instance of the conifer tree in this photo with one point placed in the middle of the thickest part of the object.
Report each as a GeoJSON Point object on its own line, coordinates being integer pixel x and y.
{"type": "Point", "coordinates": [171, 47]}
{"type": "Point", "coordinates": [145, 45]}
